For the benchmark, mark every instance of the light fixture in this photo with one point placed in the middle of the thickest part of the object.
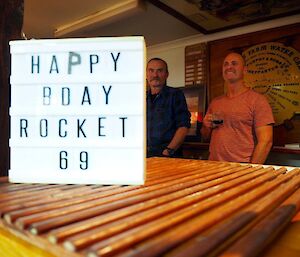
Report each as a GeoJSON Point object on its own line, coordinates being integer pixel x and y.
{"type": "Point", "coordinates": [100, 18]}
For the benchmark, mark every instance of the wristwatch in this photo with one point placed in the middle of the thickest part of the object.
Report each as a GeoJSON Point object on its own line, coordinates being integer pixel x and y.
{"type": "Point", "coordinates": [171, 151]}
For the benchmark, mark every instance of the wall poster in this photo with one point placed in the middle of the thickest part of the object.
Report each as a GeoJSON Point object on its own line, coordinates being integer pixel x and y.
{"type": "Point", "coordinates": [274, 70]}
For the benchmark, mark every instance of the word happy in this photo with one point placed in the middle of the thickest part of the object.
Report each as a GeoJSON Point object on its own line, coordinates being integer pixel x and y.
{"type": "Point", "coordinates": [74, 59]}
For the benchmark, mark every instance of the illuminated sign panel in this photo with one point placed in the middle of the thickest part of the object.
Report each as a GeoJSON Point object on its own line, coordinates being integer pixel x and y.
{"type": "Point", "coordinates": [78, 111]}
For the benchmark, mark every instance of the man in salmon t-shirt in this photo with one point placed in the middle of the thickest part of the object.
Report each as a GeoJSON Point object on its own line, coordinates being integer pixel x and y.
{"type": "Point", "coordinates": [239, 124]}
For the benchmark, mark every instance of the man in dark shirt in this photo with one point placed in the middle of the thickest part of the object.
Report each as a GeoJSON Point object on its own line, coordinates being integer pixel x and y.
{"type": "Point", "coordinates": [168, 118]}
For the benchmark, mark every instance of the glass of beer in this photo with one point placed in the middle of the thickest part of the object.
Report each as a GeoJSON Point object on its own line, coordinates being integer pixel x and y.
{"type": "Point", "coordinates": [217, 118]}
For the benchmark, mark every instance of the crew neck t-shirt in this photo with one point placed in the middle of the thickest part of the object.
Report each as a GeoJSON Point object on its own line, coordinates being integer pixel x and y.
{"type": "Point", "coordinates": [235, 140]}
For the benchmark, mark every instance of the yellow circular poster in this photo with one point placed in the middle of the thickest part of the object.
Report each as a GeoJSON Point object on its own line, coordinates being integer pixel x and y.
{"type": "Point", "coordinates": [274, 70]}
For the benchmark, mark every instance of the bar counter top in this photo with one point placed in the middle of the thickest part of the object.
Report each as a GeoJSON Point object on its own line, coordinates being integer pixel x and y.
{"type": "Point", "coordinates": [205, 146]}
{"type": "Point", "coordinates": [284, 156]}
{"type": "Point", "coordinates": [186, 208]}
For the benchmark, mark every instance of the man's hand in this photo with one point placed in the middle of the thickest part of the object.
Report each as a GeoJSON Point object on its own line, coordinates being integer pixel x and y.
{"type": "Point", "coordinates": [207, 121]}
{"type": "Point", "coordinates": [207, 127]}
{"type": "Point", "coordinates": [165, 153]}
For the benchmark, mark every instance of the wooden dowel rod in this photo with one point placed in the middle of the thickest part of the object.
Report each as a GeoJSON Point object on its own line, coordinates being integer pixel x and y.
{"type": "Point", "coordinates": [124, 240]}
{"type": "Point", "coordinates": [5, 196]}
{"type": "Point", "coordinates": [137, 196]}
{"type": "Point", "coordinates": [161, 223]}
{"type": "Point", "coordinates": [187, 189]}
{"type": "Point", "coordinates": [10, 217]}
{"type": "Point", "coordinates": [264, 232]}
{"type": "Point", "coordinates": [37, 213]}
{"type": "Point", "coordinates": [47, 197]}
{"type": "Point", "coordinates": [207, 243]}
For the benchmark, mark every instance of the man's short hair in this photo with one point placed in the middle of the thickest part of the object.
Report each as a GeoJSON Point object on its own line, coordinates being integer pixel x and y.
{"type": "Point", "coordinates": [159, 59]}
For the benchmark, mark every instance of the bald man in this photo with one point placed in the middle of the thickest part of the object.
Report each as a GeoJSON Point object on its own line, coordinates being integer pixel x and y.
{"type": "Point", "coordinates": [244, 131]}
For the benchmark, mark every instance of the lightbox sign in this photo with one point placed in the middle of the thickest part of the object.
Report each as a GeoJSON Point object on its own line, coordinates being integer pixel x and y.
{"type": "Point", "coordinates": [78, 111]}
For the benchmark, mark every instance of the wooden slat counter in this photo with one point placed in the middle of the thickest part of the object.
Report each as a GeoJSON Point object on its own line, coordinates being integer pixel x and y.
{"type": "Point", "coordinates": [278, 155]}
{"type": "Point", "coordinates": [186, 208]}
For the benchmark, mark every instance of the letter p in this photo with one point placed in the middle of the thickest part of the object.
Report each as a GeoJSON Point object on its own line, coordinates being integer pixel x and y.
{"type": "Point", "coordinates": [74, 59]}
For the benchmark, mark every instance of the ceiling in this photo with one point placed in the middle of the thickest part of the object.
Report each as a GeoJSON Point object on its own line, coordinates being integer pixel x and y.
{"type": "Point", "coordinates": [42, 18]}
{"type": "Point", "coordinates": [158, 21]}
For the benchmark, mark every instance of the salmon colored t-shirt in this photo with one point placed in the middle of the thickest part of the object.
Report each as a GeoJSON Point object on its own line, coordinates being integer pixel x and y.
{"type": "Point", "coordinates": [235, 140]}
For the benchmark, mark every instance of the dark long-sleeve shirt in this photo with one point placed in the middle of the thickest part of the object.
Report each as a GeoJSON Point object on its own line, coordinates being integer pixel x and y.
{"type": "Point", "coordinates": [165, 114]}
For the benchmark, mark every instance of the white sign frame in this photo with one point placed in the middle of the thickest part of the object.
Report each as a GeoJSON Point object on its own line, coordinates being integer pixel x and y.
{"type": "Point", "coordinates": [78, 111]}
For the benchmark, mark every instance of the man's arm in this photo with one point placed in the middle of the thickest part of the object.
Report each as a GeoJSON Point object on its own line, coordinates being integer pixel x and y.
{"type": "Point", "coordinates": [264, 135]}
{"type": "Point", "coordinates": [182, 121]}
{"type": "Point", "coordinates": [177, 139]}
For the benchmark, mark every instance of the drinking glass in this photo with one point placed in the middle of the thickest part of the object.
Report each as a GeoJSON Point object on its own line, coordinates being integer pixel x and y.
{"type": "Point", "coordinates": [217, 118]}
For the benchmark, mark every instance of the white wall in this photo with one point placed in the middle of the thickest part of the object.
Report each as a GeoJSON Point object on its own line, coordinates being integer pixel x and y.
{"type": "Point", "coordinates": [175, 58]}
{"type": "Point", "coordinates": [173, 52]}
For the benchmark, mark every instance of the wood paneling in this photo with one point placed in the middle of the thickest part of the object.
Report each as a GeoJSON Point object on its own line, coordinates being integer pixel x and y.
{"type": "Point", "coordinates": [196, 65]}
{"type": "Point", "coordinates": [287, 35]}
{"type": "Point", "coordinates": [11, 20]}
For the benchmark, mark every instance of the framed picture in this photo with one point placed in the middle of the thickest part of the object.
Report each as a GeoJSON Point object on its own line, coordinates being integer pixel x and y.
{"type": "Point", "coordinates": [209, 16]}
